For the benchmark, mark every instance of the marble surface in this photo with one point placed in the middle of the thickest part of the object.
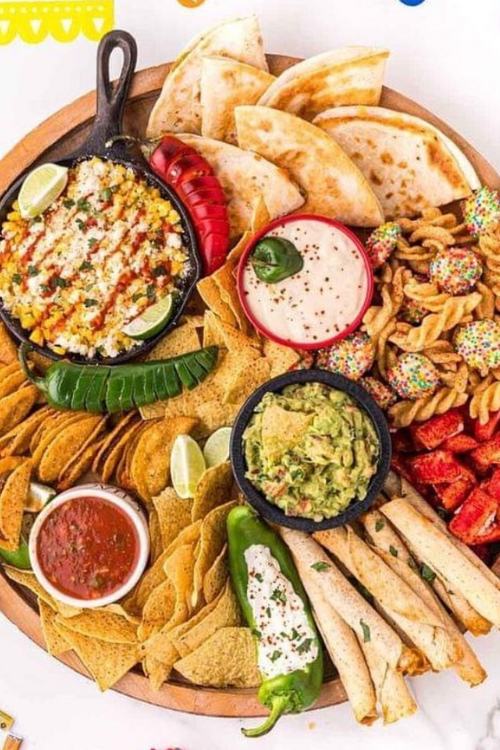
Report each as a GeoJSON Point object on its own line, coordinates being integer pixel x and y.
{"type": "Point", "coordinates": [445, 54]}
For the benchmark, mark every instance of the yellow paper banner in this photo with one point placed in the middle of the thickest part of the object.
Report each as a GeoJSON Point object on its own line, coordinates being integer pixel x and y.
{"type": "Point", "coordinates": [32, 22]}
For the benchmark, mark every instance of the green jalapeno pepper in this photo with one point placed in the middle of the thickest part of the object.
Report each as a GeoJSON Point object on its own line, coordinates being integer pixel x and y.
{"type": "Point", "coordinates": [97, 388]}
{"type": "Point", "coordinates": [290, 692]}
{"type": "Point", "coordinates": [275, 259]}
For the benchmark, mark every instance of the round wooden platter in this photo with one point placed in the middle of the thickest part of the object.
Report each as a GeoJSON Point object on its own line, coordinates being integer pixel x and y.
{"type": "Point", "coordinates": [52, 140]}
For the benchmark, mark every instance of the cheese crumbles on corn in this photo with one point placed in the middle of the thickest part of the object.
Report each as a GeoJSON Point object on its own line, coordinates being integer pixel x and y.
{"type": "Point", "coordinates": [109, 247]}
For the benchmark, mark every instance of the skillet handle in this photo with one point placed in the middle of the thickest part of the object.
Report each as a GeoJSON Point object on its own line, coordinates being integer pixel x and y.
{"type": "Point", "coordinates": [111, 97]}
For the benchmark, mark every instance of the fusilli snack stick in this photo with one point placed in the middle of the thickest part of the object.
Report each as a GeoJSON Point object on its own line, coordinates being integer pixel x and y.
{"type": "Point", "coordinates": [434, 324]}
{"type": "Point", "coordinates": [427, 295]}
{"type": "Point", "coordinates": [405, 412]}
{"type": "Point", "coordinates": [459, 381]}
{"type": "Point", "coordinates": [408, 252]}
{"type": "Point", "coordinates": [489, 248]}
{"type": "Point", "coordinates": [486, 308]}
{"type": "Point", "coordinates": [384, 354]}
{"type": "Point", "coordinates": [485, 401]}
{"type": "Point", "coordinates": [377, 317]}
{"type": "Point", "coordinates": [441, 352]}
{"type": "Point", "coordinates": [438, 235]}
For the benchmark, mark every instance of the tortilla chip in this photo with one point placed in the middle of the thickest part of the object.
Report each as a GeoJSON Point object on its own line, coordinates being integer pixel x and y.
{"type": "Point", "coordinates": [109, 443]}
{"type": "Point", "coordinates": [103, 624]}
{"type": "Point", "coordinates": [173, 514]}
{"type": "Point", "coordinates": [189, 535]}
{"type": "Point", "coordinates": [225, 279]}
{"type": "Point", "coordinates": [227, 659]}
{"type": "Point", "coordinates": [8, 349]}
{"type": "Point", "coordinates": [15, 407]}
{"type": "Point", "coordinates": [123, 471]}
{"type": "Point", "coordinates": [17, 441]}
{"type": "Point", "coordinates": [50, 430]}
{"type": "Point", "coordinates": [13, 498]}
{"type": "Point", "coordinates": [78, 465]}
{"type": "Point", "coordinates": [235, 83]}
{"type": "Point", "coordinates": [106, 662]}
{"type": "Point", "coordinates": [281, 358]}
{"type": "Point", "coordinates": [181, 340]}
{"type": "Point", "coordinates": [150, 466]}
{"type": "Point", "coordinates": [233, 339]}
{"type": "Point", "coordinates": [12, 382]}
{"type": "Point", "coordinates": [155, 540]}
{"type": "Point", "coordinates": [178, 106]}
{"type": "Point", "coordinates": [55, 641]}
{"type": "Point", "coordinates": [348, 75]}
{"type": "Point", "coordinates": [179, 569]}
{"type": "Point", "coordinates": [211, 296]}
{"type": "Point", "coordinates": [338, 189]}
{"type": "Point", "coordinates": [282, 430]}
{"type": "Point", "coordinates": [246, 175]}
{"type": "Point", "coordinates": [212, 539]}
{"type": "Point", "coordinates": [214, 488]}
{"type": "Point", "coordinates": [226, 612]}
{"type": "Point", "coordinates": [246, 379]}
{"type": "Point", "coordinates": [158, 609]}
{"type": "Point", "coordinates": [216, 577]}
{"type": "Point", "coordinates": [64, 446]}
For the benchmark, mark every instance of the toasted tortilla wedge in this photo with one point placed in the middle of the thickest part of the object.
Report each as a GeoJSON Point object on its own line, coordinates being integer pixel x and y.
{"type": "Point", "coordinates": [246, 177]}
{"type": "Point", "coordinates": [408, 163]}
{"type": "Point", "coordinates": [349, 75]}
{"type": "Point", "coordinates": [334, 185]}
{"type": "Point", "coordinates": [178, 107]}
{"type": "Point", "coordinates": [226, 84]}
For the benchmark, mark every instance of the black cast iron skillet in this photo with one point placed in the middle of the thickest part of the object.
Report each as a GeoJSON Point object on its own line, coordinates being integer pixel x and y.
{"type": "Point", "coordinates": [270, 511]}
{"type": "Point", "coordinates": [102, 142]}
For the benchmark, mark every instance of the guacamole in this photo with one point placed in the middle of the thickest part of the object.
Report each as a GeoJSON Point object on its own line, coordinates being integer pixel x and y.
{"type": "Point", "coordinates": [311, 450]}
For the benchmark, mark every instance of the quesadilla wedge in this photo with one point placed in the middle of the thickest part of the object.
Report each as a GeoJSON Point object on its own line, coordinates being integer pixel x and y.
{"type": "Point", "coordinates": [333, 184]}
{"type": "Point", "coordinates": [409, 163]}
{"type": "Point", "coordinates": [178, 107]}
{"type": "Point", "coordinates": [226, 84]}
{"type": "Point", "coordinates": [245, 177]}
{"type": "Point", "coordinates": [349, 75]}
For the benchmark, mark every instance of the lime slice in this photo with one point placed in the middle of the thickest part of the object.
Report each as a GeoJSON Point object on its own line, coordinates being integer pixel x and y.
{"type": "Point", "coordinates": [216, 449]}
{"type": "Point", "coordinates": [152, 320]}
{"type": "Point", "coordinates": [39, 495]}
{"type": "Point", "coordinates": [41, 188]}
{"type": "Point", "coordinates": [186, 465]}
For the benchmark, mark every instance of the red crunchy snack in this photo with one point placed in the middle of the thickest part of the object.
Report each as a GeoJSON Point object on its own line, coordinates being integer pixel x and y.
{"type": "Point", "coordinates": [460, 444]}
{"type": "Point", "coordinates": [487, 455]}
{"type": "Point", "coordinates": [452, 495]}
{"type": "Point", "coordinates": [437, 467]}
{"type": "Point", "coordinates": [483, 432]}
{"type": "Point", "coordinates": [475, 522]}
{"type": "Point", "coordinates": [493, 485]}
{"type": "Point", "coordinates": [436, 430]}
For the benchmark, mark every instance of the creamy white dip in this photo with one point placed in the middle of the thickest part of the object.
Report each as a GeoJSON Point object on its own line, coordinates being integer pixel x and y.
{"type": "Point", "coordinates": [322, 299]}
{"type": "Point", "coordinates": [286, 640]}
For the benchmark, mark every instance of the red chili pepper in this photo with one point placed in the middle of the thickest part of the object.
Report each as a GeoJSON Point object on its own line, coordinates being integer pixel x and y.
{"type": "Point", "coordinates": [475, 522]}
{"type": "Point", "coordinates": [193, 179]}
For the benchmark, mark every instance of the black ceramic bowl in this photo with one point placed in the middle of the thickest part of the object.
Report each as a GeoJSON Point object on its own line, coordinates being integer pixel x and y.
{"type": "Point", "coordinates": [270, 511]}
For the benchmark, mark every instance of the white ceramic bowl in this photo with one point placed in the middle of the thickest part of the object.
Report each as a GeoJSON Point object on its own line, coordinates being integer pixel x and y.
{"type": "Point", "coordinates": [123, 501]}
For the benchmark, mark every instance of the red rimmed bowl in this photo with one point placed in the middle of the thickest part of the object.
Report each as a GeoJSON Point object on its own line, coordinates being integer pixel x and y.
{"type": "Point", "coordinates": [353, 244]}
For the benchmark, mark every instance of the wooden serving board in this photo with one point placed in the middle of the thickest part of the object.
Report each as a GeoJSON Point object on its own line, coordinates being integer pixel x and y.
{"type": "Point", "coordinates": [52, 140]}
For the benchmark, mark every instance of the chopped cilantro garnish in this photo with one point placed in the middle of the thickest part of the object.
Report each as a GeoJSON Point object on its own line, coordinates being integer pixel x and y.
{"type": "Point", "coordinates": [150, 291]}
{"type": "Point", "coordinates": [393, 551]}
{"type": "Point", "coordinates": [32, 271]}
{"type": "Point", "coordinates": [82, 204]}
{"type": "Point", "coordinates": [16, 278]}
{"type": "Point", "coordinates": [305, 646]}
{"type": "Point", "coordinates": [68, 203]}
{"type": "Point", "coordinates": [92, 241]}
{"type": "Point", "coordinates": [257, 633]}
{"type": "Point", "coordinates": [268, 612]}
{"type": "Point", "coordinates": [294, 634]}
{"type": "Point", "coordinates": [427, 573]}
{"type": "Point", "coordinates": [366, 631]}
{"type": "Point", "coordinates": [379, 524]}
{"type": "Point", "coordinates": [137, 296]}
{"type": "Point", "coordinates": [86, 266]}
{"type": "Point", "coordinates": [106, 194]}
{"type": "Point", "coordinates": [58, 281]}
{"type": "Point", "coordinates": [88, 302]}
{"type": "Point", "coordinates": [279, 596]}
{"type": "Point", "coordinates": [259, 577]}
{"type": "Point", "coordinates": [275, 655]}
{"type": "Point", "coordinates": [44, 287]}
{"type": "Point", "coordinates": [320, 566]}
{"type": "Point", "coordinates": [159, 271]}
{"type": "Point", "coordinates": [81, 225]}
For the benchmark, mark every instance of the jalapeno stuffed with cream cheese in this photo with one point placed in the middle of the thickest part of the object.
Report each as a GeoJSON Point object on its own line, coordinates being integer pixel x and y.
{"type": "Point", "coordinates": [275, 605]}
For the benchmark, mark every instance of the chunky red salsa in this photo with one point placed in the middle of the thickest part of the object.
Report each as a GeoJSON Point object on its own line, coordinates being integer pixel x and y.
{"type": "Point", "coordinates": [87, 548]}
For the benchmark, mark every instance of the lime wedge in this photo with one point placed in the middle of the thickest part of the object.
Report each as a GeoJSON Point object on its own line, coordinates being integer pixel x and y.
{"type": "Point", "coordinates": [216, 449]}
{"type": "Point", "coordinates": [39, 495]}
{"type": "Point", "coordinates": [186, 465]}
{"type": "Point", "coordinates": [41, 188]}
{"type": "Point", "coordinates": [152, 320]}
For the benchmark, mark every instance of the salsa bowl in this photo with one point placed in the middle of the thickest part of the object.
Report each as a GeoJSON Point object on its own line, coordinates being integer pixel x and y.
{"type": "Point", "coordinates": [362, 399]}
{"type": "Point", "coordinates": [125, 511]}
